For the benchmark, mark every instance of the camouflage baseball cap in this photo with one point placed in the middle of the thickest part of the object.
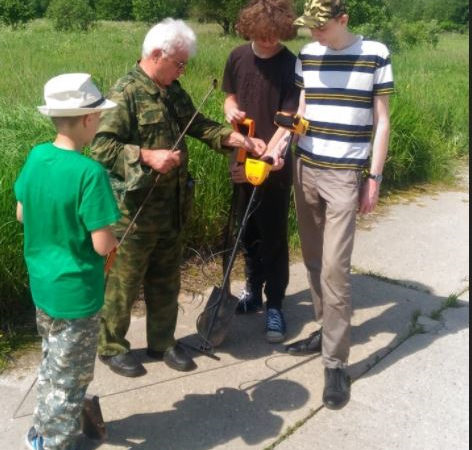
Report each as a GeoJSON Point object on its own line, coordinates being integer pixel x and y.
{"type": "Point", "coordinates": [318, 12]}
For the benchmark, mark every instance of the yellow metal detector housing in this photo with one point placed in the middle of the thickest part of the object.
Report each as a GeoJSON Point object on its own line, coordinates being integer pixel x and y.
{"type": "Point", "coordinates": [257, 170]}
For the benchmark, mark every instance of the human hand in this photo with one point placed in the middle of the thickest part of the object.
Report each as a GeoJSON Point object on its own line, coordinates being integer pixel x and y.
{"type": "Point", "coordinates": [278, 151]}
{"type": "Point", "coordinates": [255, 146]}
{"type": "Point", "coordinates": [234, 114]}
{"type": "Point", "coordinates": [369, 196]}
{"type": "Point", "coordinates": [278, 161]}
{"type": "Point", "coordinates": [238, 173]}
{"type": "Point", "coordinates": [162, 161]}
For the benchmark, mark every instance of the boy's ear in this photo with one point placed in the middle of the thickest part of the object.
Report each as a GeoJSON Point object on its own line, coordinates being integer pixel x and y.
{"type": "Point", "coordinates": [85, 120]}
{"type": "Point", "coordinates": [343, 19]}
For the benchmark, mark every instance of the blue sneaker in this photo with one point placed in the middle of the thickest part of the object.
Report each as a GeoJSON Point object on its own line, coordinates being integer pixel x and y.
{"type": "Point", "coordinates": [249, 302]}
{"type": "Point", "coordinates": [33, 440]}
{"type": "Point", "coordinates": [275, 326]}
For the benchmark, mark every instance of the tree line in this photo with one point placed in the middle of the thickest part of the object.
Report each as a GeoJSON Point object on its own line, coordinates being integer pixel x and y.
{"type": "Point", "coordinates": [452, 15]}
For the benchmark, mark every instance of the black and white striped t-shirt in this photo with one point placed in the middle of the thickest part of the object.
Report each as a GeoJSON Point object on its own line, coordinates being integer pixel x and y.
{"type": "Point", "coordinates": [339, 90]}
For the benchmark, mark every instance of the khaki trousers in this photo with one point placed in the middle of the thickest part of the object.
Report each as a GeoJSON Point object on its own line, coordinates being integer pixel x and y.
{"type": "Point", "coordinates": [327, 202]}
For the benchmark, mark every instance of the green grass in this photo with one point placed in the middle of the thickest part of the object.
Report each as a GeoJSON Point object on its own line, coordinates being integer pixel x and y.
{"type": "Point", "coordinates": [430, 113]}
{"type": "Point", "coordinates": [429, 117]}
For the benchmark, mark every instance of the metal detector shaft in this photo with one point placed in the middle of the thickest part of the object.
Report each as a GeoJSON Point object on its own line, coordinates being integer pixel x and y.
{"type": "Point", "coordinates": [231, 263]}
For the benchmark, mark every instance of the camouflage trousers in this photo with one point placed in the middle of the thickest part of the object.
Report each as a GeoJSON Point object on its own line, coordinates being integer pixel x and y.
{"type": "Point", "coordinates": [153, 261]}
{"type": "Point", "coordinates": [68, 358]}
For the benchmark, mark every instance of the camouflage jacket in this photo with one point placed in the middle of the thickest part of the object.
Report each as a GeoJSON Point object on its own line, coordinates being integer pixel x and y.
{"type": "Point", "coordinates": [148, 117]}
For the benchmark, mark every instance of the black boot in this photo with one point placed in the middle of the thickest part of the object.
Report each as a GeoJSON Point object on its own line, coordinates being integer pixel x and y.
{"type": "Point", "coordinates": [124, 364]}
{"type": "Point", "coordinates": [175, 357]}
{"type": "Point", "coordinates": [308, 346]}
{"type": "Point", "coordinates": [337, 390]}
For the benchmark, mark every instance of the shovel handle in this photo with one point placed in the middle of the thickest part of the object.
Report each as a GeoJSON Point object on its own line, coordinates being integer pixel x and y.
{"type": "Point", "coordinates": [251, 129]}
{"type": "Point", "coordinates": [110, 260]}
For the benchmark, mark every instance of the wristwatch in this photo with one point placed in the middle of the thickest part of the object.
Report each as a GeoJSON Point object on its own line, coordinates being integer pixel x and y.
{"type": "Point", "coordinates": [377, 178]}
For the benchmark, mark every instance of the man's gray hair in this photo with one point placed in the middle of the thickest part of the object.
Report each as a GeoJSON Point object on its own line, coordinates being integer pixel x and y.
{"type": "Point", "coordinates": [170, 35]}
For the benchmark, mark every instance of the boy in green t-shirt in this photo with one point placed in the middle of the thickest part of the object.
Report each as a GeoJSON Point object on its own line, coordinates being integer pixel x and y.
{"type": "Point", "coordinates": [66, 204]}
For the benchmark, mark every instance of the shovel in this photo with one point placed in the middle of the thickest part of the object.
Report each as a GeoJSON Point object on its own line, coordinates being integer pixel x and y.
{"type": "Point", "coordinates": [213, 322]}
{"type": "Point", "coordinates": [93, 425]}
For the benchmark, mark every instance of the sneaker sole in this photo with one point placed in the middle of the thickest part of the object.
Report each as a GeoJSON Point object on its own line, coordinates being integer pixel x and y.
{"type": "Point", "coordinates": [27, 443]}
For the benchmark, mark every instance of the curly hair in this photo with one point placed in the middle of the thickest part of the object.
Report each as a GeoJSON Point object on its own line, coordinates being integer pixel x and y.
{"type": "Point", "coordinates": [266, 19]}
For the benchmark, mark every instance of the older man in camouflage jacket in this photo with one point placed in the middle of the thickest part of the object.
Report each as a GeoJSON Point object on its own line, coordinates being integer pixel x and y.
{"type": "Point", "coordinates": [134, 143]}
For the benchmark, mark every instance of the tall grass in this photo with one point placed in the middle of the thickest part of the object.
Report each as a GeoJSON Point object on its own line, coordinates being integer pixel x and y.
{"type": "Point", "coordinates": [429, 118]}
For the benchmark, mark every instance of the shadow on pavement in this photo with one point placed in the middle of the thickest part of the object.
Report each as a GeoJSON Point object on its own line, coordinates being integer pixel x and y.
{"type": "Point", "coordinates": [379, 308]}
{"type": "Point", "coordinates": [203, 421]}
{"type": "Point", "coordinates": [246, 339]}
{"type": "Point", "coordinates": [417, 345]}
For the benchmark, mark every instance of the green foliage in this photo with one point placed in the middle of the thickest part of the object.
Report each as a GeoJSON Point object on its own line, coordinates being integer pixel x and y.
{"type": "Point", "coordinates": [399, 34]}
{"type": "Point", "coordinates": [69, 15]}
{"type": "Point", "coordinates": [113, 9]}
{"type": "Point", "coordinates": [371, 11]}
{"type": "Point", "coordinates": [152, 11]}
{"type": "Point", "coordinates": [224, 13]}
{"type": "Point", "coordinates": [299, 6]}
{"type": "Point", "coordinates": [15, 13]}
{"type": "Point", "coordinates": [40, 7]}
{"type": "Point", "coordinates": [451, 14]}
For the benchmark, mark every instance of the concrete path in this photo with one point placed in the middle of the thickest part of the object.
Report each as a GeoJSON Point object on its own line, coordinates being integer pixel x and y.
{"type": "Point", "coordinates": [410, 392]}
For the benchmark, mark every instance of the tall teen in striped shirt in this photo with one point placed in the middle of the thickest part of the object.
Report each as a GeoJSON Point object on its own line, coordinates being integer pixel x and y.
{"type": "Point", "coordinates": [346, 81]}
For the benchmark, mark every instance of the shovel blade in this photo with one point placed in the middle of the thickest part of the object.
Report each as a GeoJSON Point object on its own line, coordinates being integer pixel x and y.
{"type": "Point", "coordinates": [213, 322]}
{"type": "Point", "coordinates": [93, 425]}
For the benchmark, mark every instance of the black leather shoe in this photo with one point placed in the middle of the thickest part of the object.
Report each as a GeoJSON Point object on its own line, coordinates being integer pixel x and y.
{"type": "Point", "coordinates": [308, 346]}
{"type": "Point", "coordinates": [155, 354]}
{"type": "Point", "coordinates": [178, 359]}
{"type": "Point", "coordinates": [124, 364]}
{"type": "Point", "coordinates": [337, 390]}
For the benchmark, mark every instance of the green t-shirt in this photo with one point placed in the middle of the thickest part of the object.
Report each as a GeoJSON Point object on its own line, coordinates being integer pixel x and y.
{"type": "Point", "coordinates": [65, 197]}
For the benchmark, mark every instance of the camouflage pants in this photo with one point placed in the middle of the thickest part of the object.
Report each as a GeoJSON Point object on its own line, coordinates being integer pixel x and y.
{"type": "Point", "coordinates": [68, 358]}
{"type": "Point", "coordinates": [152, 260]}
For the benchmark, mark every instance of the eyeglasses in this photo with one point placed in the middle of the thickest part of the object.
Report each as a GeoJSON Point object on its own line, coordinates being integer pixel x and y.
{"type": "Point", "coordinates": [179, 64]}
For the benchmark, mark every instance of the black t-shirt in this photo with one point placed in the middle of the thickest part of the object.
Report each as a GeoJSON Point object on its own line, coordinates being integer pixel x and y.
{"type": "Point", "coordinates": [263, 87]}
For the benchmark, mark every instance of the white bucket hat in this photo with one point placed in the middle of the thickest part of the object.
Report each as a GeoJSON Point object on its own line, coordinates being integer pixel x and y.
{"type": "Point", "coordinates": [71, 95]}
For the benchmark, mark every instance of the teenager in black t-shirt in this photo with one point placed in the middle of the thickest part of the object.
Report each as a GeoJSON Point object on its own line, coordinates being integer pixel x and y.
{"type": "Point", "coordinates": [259, 80]}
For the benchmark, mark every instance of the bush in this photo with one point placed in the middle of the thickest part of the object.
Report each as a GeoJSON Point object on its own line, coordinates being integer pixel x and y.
{"type": "Point", "coordinates": [152, 11]}
{"type": "Point", "coordinates": [398, 34]}
{"type": "Point", "coordinates": [15, 13]}
{"type": "Point", "coordinates": [371, 11]}
{"type": "Point", "coordinates": [69, 15]}
{"type": "Point", "coordinates": [114, 9]}
{"type": "Point", "coordinates": [224, 14]}
{"type": "Point", "coordinates": [40, 7]}
{"type": "Point", "coordinates": [455, 11]}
